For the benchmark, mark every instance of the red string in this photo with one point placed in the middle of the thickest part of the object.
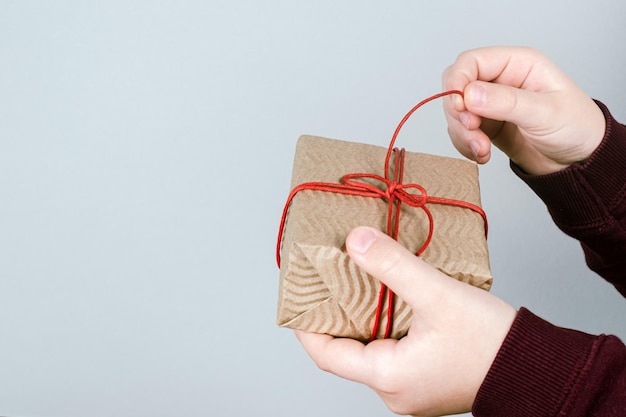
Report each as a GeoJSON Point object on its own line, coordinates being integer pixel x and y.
{"type": "Point", "coordinates": [395, 192]}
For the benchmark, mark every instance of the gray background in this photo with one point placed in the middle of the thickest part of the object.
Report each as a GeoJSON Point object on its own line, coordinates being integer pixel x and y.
{"type": "Point", "coordinates": [145, 155]}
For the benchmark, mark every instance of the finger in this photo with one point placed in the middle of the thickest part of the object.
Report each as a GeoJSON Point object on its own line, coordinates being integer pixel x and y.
{"type": "Point", "coordinates": [491, 77]}
{"type": "Point", "coordinates": [509, 104]}
{"type": "Point", "coordinates": [505, 65]}
{"type": "Point", "coordinates": [413, 280]}
{"type": "Point", "coordinates": [469, 139]}
{"type": "Point", "coordinates": [340, 356]}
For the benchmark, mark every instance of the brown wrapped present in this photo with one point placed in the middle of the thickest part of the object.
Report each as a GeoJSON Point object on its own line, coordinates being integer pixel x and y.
{"type": "Point", "coordinates": [321, 289]}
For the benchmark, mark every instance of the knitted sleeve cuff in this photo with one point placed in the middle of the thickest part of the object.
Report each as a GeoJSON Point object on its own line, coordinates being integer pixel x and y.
{"type": "Point", "coordinates": [535, 371]}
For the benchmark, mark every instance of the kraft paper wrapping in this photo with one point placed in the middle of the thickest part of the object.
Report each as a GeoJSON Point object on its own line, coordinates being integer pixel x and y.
{"type": "Point", "coordinates": [321, 290]}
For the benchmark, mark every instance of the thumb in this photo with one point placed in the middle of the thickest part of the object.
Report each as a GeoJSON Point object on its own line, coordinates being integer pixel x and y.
{"type": "Point", "coordinates": [412, 279]}
{"type": "Point", "coordinates": [505, 103]}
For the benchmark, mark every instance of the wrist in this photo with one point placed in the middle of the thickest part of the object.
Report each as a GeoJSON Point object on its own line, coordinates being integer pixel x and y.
{"type": "Point", "coordinates": [566, 193]}
{"type": "Point", "coordinates": [595, 135]}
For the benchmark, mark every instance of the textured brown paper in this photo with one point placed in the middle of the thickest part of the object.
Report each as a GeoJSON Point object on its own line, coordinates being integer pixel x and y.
{"type": "Point", "coordinates": [321, 290]}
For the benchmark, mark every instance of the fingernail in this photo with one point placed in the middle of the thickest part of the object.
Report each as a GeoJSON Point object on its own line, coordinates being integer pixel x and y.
{"type": "Point", "coordinates": [465, 119]}
{"type": "Point", "coordinates": [361, 240]}
{"type": "Point", "coordinates": [457, 102]}
{"type": "Point", "coordinates": [475, 147]}
{"type": "Point", "coordinates": [477, 96]}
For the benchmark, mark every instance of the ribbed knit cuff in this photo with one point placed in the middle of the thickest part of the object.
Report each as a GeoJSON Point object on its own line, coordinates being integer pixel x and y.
{"type": "Point", "coordinates": [535, 370]}
{"type": "Point", "coordinates": [582, 194]}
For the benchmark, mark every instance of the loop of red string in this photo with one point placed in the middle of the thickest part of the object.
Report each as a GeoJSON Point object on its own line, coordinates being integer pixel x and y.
{"type": "Point", "coordinates": [396, 193]}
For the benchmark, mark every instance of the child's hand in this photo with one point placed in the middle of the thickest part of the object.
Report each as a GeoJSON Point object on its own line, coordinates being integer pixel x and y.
{"type": "Point", "coordinates": [520, 101]}
{"type": "Point", "coordinates": [456, 332]}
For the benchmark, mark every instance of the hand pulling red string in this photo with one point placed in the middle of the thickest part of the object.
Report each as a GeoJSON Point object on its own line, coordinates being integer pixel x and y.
{"type": "Point", "coordinates": [396, 193]}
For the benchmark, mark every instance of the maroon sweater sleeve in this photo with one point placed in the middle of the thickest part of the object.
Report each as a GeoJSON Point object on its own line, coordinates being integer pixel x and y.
{"type": "Point", "coordinates": [588, 202]}
{"type": "Point", "coordinates": [544, 370]}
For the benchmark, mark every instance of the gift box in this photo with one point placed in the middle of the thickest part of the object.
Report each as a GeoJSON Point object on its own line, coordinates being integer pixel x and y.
{"type": "Point", "coordinates": [321, 289]}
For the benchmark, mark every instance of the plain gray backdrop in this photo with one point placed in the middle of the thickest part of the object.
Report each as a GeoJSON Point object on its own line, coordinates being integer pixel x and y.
{"type": "Point", "coordinates": [145, 155]}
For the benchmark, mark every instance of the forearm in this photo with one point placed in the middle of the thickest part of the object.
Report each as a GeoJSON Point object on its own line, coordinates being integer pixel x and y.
{"type": "Point", "coordinates": [543, 370]}
{"type": "Point", "coordinates": [588, 202]}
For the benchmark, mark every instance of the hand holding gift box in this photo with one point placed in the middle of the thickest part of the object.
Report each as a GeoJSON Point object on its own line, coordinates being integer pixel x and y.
{"type": "Point", "coordinates": [430, 204]}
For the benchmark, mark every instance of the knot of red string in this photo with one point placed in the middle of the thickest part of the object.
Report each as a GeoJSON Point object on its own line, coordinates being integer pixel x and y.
{"type": "Point", "coordinates": [395, 192]}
